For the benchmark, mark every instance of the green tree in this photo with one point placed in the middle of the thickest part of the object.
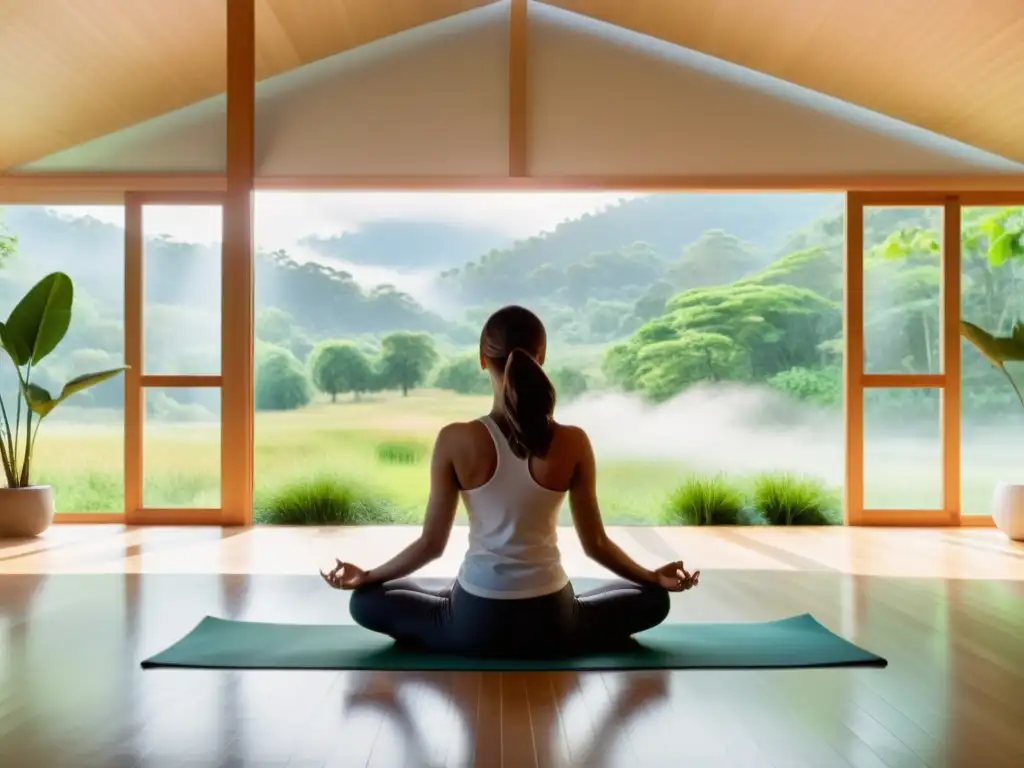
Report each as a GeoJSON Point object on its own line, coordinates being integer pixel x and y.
{"type": "Point", "coordinates": [666, 368]}
{"type": "Point", "coordinates": [281, 381]}
{"type": "Point", "coordinates": [463, 375]}
{"type": "Point", "coordinates": [744, 331]}
{"type": "Point", "coordinates": [275, 326]}
{"type": "Point", "coordinates": [652, 303]}
{"type": "Point", "coordinates": [338, 367]}
{"type": "Point", "coordinates": [570, 383]}
{"type": "Point", "coordinates": [717, 258]}
{"type": "Point", "coordinates": [406, 359]}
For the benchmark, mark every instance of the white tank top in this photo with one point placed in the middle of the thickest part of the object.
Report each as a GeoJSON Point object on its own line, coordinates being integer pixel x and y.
{"type": "Point", "coordinates": [513, 531]}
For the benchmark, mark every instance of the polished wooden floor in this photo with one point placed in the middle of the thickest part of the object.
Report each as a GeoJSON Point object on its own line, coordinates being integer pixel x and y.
{"type": "Point", "coordinates": [82, 606]}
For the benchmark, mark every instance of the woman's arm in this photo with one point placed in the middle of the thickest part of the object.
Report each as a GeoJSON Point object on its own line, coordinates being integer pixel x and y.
{"type": "Point", "coordinates": [586, 516]}
{"type": "Point", "coordinates": [437, 525]}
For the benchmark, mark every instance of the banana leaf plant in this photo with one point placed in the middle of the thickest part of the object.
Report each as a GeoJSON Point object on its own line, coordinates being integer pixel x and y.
{"type": "Point", "coordinates": [999, 237]}
{"type": "Point", "coordinates": [33, 330]}
{"type": "Point", "coordinates": [998, 350]}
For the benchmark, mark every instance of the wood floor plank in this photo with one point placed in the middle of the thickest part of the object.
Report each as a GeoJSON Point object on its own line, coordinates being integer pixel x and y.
{"type": "Point", "coordinates": [80, 608]}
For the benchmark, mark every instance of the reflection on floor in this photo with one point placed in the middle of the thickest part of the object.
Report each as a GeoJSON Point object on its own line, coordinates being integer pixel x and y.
{"type": "Point", "coordinates": [81, 607]}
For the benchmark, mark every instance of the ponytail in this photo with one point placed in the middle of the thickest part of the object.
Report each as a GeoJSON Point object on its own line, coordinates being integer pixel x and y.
{"type": "Point", "coordinates": [528, 399]}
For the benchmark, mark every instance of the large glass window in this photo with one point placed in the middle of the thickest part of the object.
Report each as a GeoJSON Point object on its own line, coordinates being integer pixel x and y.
{"type": "Point", "coordinates": [79, 449]}
{"type": "Point", "coordinates": [991, 298]}
{"type": "Point", "coordinates": [902, 279]}
{"type": "Point", "coordinates": [696, 337]}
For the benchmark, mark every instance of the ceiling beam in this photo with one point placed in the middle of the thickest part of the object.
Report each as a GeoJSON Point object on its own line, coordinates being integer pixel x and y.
{"type": "Point", "coordinates": [517, 88]}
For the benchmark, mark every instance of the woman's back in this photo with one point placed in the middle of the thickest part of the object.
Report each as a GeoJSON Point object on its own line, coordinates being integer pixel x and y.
{"type": "Point", "coordinates": [513, 505]}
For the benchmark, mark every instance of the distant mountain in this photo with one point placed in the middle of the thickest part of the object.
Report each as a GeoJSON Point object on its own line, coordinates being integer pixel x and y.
{"type": "Point", "coordinates": [654, 229]}
{"type": "Point", "coordinates": [672, 221]}
{"type": "Point", "coordinates": [186, 276]}
{"type": "Point", "coordinates": [409, 244]}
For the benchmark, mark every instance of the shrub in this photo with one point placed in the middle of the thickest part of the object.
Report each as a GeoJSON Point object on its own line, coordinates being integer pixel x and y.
{"type": "Point", "coordinates": [789, 500]}
{"type": "Point", "coordinates": [281, 381]}
{"type": "Point", "coordinates": [569, 383]}
{"type": "Point", "coordinates": [401, 453]}
{"type": "Point", "coordinates": [818, 386]}
{"type": "Point", "coordinates": [464, 376]}
{"type": "Point", "coordinates": [325, 501]}
{"type": "Point", "coordinates": [709, 500]}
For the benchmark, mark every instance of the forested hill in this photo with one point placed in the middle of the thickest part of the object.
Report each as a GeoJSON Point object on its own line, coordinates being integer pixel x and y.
{"type": "Point", "coordinates": [410, 245]}
{"type": "Point", "coordinates": [326, 301]}
{"type": "Point", "coordinates": [639, 240]}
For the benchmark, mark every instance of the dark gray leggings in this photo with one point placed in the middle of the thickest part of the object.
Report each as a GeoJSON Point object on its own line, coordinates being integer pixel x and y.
{"type": "Point", "coordinates": [447, 619]}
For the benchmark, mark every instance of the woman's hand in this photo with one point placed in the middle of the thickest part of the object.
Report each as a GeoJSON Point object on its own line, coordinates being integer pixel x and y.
{"type": "Point", "coordinates": [675, 578]}
{"type": "Point", "coordinates": [345, 576]}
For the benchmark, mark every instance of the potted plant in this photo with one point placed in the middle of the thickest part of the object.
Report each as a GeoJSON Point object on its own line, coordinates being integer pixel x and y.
{"type": "Point", "coordinates": [33, 330]}
{"type": "Point", "coordinates": [1008, 499]}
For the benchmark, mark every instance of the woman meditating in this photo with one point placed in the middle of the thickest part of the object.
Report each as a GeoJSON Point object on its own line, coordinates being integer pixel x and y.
{"type": "Point", "coordinates": [512, 470]}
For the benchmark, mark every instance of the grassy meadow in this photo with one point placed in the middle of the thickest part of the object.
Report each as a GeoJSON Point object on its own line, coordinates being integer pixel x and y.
{"type": "Point", "coordinates": [83, 460]}
{"type": "Point", "coordinates": [343, 442]}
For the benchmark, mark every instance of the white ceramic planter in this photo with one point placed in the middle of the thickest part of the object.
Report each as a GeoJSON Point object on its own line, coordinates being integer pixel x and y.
{"type": "Point", "coordinates": [1008, 509]}
{"type": "Point", "coordinates": [25, 512]}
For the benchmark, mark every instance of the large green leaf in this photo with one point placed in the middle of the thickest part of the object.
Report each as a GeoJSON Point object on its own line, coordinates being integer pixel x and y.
{"type": "Point", "coordinates": [42, 402]}
{"type": "Point", "coordinates": [40, 320]}
{"type": "Point", "coordinates": [39, 400]}
{"type": "Point", "coordinates": [87, 380]}
{"type": "Point", "coordinates": [5, 340]}
{"type": "Point", "coordinates": [1000, 250]}
{"type": "Point", "coordinates": [996, 349]}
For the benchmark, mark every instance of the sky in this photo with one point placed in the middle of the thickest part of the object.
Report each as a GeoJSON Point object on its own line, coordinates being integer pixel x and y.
{"type": "Point", "coordinates": [282, 218]}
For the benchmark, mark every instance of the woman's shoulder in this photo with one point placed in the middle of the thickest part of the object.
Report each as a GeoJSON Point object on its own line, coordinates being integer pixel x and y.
{"type": "Point", "coordinates": [569, 435]}
{"type": "Point", "coordinates": [456, 431]}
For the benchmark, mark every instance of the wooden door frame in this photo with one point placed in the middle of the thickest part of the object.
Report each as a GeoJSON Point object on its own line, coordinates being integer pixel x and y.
{"type": "Point", "coordinates": [136, 380]}
{"type": "Point", "coordinates": [948, 381]}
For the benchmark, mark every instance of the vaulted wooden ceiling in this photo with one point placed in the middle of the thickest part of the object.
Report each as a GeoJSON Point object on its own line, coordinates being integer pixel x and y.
{"type": "Point", "coordinates": [955, 67]}
{"type": "Point", "coordinates": [72, 71]}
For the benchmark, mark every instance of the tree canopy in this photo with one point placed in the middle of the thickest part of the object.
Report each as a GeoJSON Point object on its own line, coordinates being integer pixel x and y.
{"type": "Point", "coordinates": [406, 360]}
{"type": "Point", "coordinates": [338, 367]}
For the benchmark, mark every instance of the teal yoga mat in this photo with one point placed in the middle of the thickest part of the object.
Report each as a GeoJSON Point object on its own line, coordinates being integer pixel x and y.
{"type": "Point", "coordinates": [795, 642]}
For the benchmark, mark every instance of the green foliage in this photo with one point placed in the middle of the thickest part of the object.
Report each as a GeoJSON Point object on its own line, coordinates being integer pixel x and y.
{"type": "Point", "coordinates": [281, 380]}
{"type": "Point", "coordinates": [463, 375]}
{"type": "Point", "coordinates": [816, 269]}
{"type": "Point", "coordinates": [340, 366]}
{"type": "Point", "coordinates": [325, 501]}
{"type": "Point", "coordinates": [716, 258]}
{"type": "Point", "coordinates": [400, 452]}
{"type": "Point", "coordinates": [275, 326]}
{"type": "Point", "coordinates": [998, 351]}
{"type": "Point", "coordinates": [666, 368]}
{"type": "Point", "coordinates": [34, 329]}
{"type": "Point", "coordinates": [785, 499]}
{"type": "Point", "coordinates": [744, 331]}
{"type": "Point", "coordinates": [406, 359]}
{"type": "Point", "coordinates": [820, 386]}
{"type": "Point", "coordinates": [992, 248]}
{"type": "Point", "coordinates": [617, 253]}
{"type": "Point", "coordinates": [708, 500]}
{"type": "Point", "coordinates": [8, 244]}
{"type": "Point", "coordinates": [652, 303]}
{"type": "Point", "coordinates": [570, 383]}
